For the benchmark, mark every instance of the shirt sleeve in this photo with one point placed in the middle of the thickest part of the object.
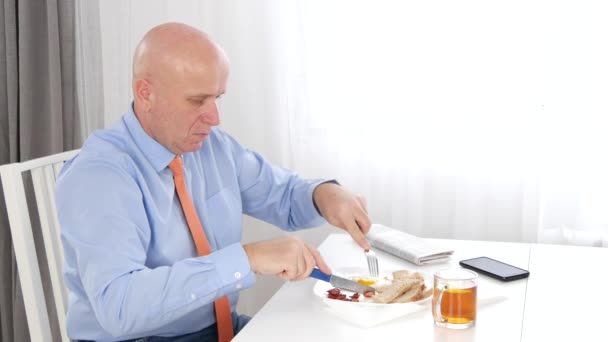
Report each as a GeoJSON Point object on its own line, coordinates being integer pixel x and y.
{"type": "Point", "coordinates": [274, 194]}
{"type": "Point", "coordinates": [106, 234]}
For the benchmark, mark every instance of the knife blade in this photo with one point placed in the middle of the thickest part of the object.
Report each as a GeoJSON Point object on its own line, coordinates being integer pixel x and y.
{"type": "Point", "coordinates": [340, 282]}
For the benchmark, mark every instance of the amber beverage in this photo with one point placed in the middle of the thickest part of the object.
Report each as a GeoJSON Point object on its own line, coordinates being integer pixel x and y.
{"type": "Point", "coordinates": [455, 298]}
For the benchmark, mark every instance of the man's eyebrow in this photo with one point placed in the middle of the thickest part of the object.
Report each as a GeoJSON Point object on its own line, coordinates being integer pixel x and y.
{"type": "Point", "coordinates": [199, 96]}
{"type": "Point", "coordinates": [203, 96]}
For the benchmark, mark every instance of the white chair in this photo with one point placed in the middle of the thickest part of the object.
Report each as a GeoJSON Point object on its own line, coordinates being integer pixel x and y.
{"type": "Point", "coordinates": [44, 171]}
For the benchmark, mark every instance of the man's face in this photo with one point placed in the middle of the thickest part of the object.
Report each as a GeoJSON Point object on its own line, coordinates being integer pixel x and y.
{"type": "Point", "coordinates": [184, 106]}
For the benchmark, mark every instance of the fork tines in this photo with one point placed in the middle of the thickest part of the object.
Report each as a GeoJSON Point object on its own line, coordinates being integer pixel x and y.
{"type": "Point", "coordinates": [372, 263]}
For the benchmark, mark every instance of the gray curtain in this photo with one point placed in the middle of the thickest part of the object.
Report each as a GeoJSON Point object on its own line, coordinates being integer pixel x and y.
{"type": "Point", "coordinates": [38, 114]}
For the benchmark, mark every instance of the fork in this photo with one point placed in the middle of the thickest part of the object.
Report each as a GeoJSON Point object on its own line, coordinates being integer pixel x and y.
{"type": "Point", "coordinates": [372, 263]}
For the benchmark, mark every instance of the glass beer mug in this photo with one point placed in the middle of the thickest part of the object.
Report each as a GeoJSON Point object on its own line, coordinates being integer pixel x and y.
{"type": "Point", "coordinates": [455, 298]}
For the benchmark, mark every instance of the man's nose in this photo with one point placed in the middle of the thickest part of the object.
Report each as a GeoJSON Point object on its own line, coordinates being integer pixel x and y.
{"type": "Point", "coordinates": [211, 114]}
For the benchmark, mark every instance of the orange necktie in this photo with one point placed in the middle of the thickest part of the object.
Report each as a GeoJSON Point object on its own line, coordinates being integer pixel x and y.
{"type": "Point", "coordinates": [222, 305]}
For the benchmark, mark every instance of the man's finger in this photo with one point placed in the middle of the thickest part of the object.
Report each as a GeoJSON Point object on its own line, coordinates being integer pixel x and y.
{"type": "Point", "coordinates": [319, 260]}
{"type": "Point", "coordinates": [301, 263]}
{"type": "Point", "coordinates": [309, 263]}
{"type": "Point", "coordinates": [363, 203]}
{"type": "Point", "coordinates": [354, 231]}
{"type": "Point", "coordinates": [363, 222]}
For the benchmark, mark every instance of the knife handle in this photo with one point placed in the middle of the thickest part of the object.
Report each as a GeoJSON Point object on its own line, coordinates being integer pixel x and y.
{"type": "Point", "coordinates": [316, 273]}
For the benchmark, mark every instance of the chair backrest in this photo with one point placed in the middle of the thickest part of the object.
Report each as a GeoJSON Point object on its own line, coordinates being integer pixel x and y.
{"type": "Point", "coordinates": [44, 172]}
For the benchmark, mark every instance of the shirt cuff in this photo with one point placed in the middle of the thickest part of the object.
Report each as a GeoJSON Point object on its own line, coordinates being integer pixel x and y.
{"type": "Point", "coordinates": [233, 269]}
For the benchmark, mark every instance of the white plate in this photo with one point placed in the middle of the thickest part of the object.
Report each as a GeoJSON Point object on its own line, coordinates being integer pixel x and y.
{"type": "Point", "coordinates": [366, 313]}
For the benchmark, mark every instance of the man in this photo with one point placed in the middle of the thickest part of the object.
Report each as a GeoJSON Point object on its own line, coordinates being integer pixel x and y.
{"type": "Point", "coordinates": [133, 263]}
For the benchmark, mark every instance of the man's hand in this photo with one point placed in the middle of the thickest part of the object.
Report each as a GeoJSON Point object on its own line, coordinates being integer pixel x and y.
{"type": "Point", "coordinates": [344, 210]}
{"type": "Point", "coordinates": [289, 258]}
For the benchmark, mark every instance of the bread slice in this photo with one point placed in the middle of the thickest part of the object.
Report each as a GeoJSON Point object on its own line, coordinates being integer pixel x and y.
{"type": "Point", "coordinates": [411, 294]}
{"type": "Point", "coordinates": [393, 291]}
{"type": "Point", "coordinates": [382, 287]}
{"type": "Point", "coordinates": [424, 294]}
{"type": "Point", "coordinates": [403, 274]}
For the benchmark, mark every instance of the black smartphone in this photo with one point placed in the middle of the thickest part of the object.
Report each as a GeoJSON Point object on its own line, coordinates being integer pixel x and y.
{"type": "Point", "coordinates": [495, 269]}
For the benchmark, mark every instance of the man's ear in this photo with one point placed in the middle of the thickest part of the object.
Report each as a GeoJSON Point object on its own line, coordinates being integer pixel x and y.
{"type": "Point", "coordinates": [143, 93]}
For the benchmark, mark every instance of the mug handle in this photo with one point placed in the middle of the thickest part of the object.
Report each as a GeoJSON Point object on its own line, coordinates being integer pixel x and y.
{"type": "Point", "coordinates": [438, 315]}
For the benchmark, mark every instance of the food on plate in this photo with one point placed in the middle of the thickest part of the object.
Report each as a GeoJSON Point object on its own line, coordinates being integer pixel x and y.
{"type": "Point", "coordinates": [367, 281]}
{"type": "Point", "coordinates": [405, 274]}
{"type": "Point", "coordinates": [336, 293]}
{"type": "Point", "coordinates": [409, 295]}
{"type": "Point", "coordinates": [404, 287]}
{"type": "Point", "coordinates": [396, 289]}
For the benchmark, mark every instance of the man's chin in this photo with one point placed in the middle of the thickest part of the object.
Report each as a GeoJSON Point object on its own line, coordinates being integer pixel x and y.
{"type": "Point", "coordinates": [194, 146]}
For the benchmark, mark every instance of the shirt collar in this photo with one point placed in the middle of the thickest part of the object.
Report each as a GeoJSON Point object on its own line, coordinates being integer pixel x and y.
{"type": "Point", "coordinates": [158, 155]}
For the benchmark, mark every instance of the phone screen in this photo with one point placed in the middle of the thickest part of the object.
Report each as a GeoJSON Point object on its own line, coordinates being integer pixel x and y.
{"type": "Point", "coordinates": [495, 268]}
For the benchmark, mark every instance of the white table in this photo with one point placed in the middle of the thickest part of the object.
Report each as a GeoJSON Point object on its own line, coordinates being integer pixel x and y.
{"type": "Point", "coordinates": [553, 304]}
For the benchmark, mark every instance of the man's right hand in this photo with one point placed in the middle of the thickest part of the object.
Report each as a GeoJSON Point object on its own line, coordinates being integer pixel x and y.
{"type": "Point", "coordinates": [289, 258]}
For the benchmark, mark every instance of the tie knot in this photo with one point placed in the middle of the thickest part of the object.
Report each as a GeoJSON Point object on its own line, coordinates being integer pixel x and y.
{"type": "Point", "coordinates": [176, 166]}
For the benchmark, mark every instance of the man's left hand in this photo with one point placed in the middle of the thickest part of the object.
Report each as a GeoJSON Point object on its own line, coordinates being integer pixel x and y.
{"type": "Point", "coordinates": [344, 210]}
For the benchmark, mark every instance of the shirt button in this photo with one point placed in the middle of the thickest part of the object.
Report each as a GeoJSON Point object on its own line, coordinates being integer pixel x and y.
{"type": "Point", "coordinates": [237, 275]}
{"type": "Point", "coordinates": [238, 286]}
{"type": "Point", "coordinates": [193, 296]}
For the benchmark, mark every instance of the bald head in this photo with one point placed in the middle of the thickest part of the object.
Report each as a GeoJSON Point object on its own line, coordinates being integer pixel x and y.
{"type": "Point", "coordinates": [174, 48]}
{"type": "Point", "coordinates": [178, 75]}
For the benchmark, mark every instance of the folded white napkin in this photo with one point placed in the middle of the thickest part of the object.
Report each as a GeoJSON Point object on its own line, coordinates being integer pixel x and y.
{"type": "Point", "coordinates": [406, 246]}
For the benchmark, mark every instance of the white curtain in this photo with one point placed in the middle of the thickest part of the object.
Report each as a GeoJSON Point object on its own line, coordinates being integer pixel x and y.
{"type": "Point", "coordinates": [467, 120]}
{"type": "Point", "coordinates": [89, 67]}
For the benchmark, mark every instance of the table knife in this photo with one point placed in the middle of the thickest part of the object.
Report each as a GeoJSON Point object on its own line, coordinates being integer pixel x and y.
{"type": "Point", "coordinates": [340, 282]}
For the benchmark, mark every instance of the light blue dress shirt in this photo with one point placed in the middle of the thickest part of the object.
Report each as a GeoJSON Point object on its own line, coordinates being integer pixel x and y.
{"type": "Point", "coordinates": [130, 263]}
